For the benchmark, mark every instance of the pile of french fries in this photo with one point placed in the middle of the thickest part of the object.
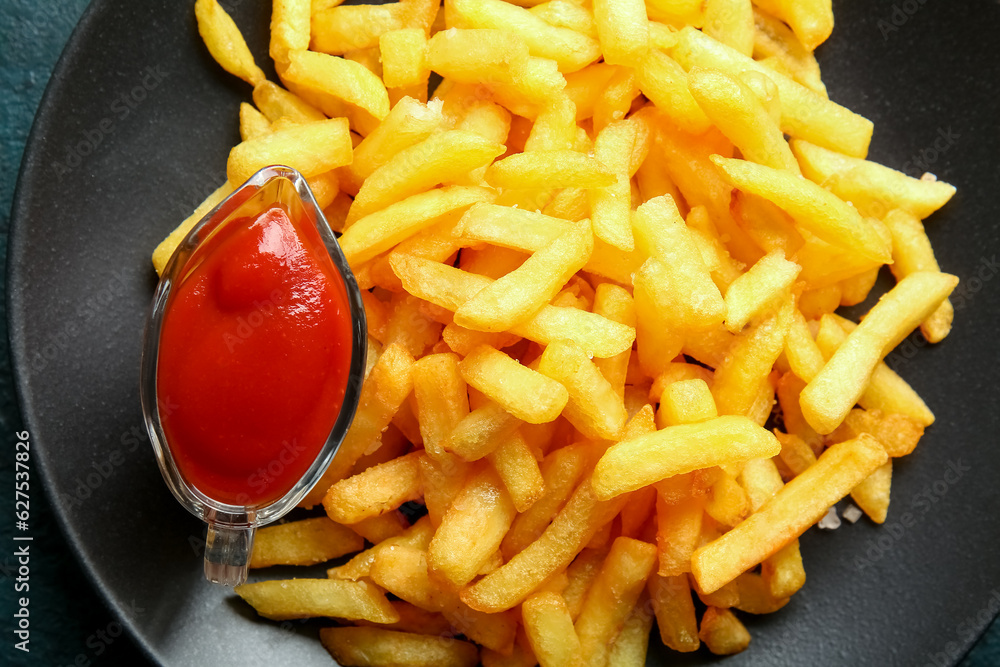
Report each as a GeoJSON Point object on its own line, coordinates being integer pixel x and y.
{"type": "Point", "coordinates": [600, 266]}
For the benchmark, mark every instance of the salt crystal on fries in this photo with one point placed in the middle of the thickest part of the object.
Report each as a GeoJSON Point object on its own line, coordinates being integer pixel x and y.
{"type": "Point", "coordinates": [592, 264]}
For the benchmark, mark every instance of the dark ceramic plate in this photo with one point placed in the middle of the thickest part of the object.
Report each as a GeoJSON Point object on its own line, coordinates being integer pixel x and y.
{"type": "Point", "coordinates": [133, 133]}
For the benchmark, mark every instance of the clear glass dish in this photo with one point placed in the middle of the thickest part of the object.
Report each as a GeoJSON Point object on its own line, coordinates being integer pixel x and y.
{"type": "Point", "coordinates": [231, 527]}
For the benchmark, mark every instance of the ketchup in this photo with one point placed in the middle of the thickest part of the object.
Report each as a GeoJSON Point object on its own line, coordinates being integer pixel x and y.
{"type": "Point", "coordinates": [254, 357]}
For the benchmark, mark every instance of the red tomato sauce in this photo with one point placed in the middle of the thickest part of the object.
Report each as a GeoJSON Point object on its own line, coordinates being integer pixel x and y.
{"type": "Point", "coordinates": [254, 357]}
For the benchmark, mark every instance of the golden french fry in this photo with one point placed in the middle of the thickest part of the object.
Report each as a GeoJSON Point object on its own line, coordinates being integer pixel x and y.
{"type": "Point", "coordinates": [814, 209]}
{"type": "Point", "coordinates": [549, 169]}
{"type": "Point", "coordinates": [794, 508]}
{"type": "Point", "coordinates": [281, 600]}
{"type": "Point", "coordinates": [774, 39]}
{"type": "Point", "coordinates": [380, 231]}
{"type": "Point", "coordinates": [290, 21]}
{"type": "Point", "coordinates": [740, 114]}
{"type": "Point", "coordinates": [613, 595]}
{"type": "Point", "coordinates": [438, 158]}
{"type": "Point", "coordinates": [804, 114]}
{"type": "Point", "coordinates": [874, 189]}
{"type": "Point", "coordinates": [594, 407]}
{"type": "Point", "coordinates": [623, 30]}
{"type": "Point", "coordinates": [675, 614]}
{"type": "Point", "coordinates": [304, 542]}
{"type": "Point", "coordinates": [519, 471]}
{"type": "Point", "coordinates": [275, 103]}
{"type": "Point", "coordinates": [812, 20]}
{"type": "Point", "coordinates": [339, 87]}
{"type": "Point", "coordinates": [663, 81]}
{"type": "Point", "coordinates": [722, 632]}
{"type": "Point", "coordinates": [515, 297]}
{"type": "Point", "coordinates": [872, 494]}
{"type": "Point", "coordinates": [375, 491]}
{"type": "Point", "coordinates": [449, 287]}
{"type": "Point", "coordinates": [911, 251]}
{"type": "Point", "coordinates": [312, 148]}
{"type": "Point", "coordinates": [565, 537]}
{"type": "Point", "coordinates": [225, 42]}
{"type": "Point", "coordinates": [375, 647]}
{"type": "Point", "coordinates": [525, 393]}
{"type": "Point", "coordinates": [571, 50]}
{"type": "Point", "coordinates": [549, 627]}
{"type": "Point", "coordinates": [731, 22]}
{"type": "Point", "coordinates": [403, 54]}
{"type": "Point", "coordinates": [471, 530]}
{"type": "Point", "coordinates": [829, 396]}
{"type": "Point", "coordinates": [679, 449]}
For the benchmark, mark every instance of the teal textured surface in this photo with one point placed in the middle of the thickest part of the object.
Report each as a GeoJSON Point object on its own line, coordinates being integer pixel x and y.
{"type": "Point", "coordinates": [69, 623]}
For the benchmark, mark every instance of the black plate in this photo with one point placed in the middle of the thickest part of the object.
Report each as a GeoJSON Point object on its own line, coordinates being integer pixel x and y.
{"type": "Point", "coordinates": [134, 131]}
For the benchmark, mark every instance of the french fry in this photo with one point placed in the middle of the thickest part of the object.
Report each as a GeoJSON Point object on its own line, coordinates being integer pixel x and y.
{"type": "Point", "coordinates": [561, 471]}
{"type": "Point", "coordinates": [898, 434]}
{"type": "Point", "coordinates": [783, 572]}
{"type": "Point", "coordinates": [471, 530]}
{"type": "Point", "coordinates": [409, 122]}
{"type": "Point", "coordinates": [449, 287]}
{"type": "Point", "coordinates": [814, 209]}
{"type": "Point", "coordinates": [812, 20]}
{"type": "Point", "coordinates": [612, 596]}
{"type": "Point", "coordinates": [623, 30]}
{"type": "Point", "coordinates": [481, 432]}
{"type": "Point", "coordinates": [571, 50]}
{"type": "Point", "coordinates": [687, 402]}
{"type": "Point", "coordinates": [565, 537]}
{"type": "Point", "coordinates": [740, 377]}
{"type": "Point", "coordinates": [679, 449]}
{"type": "Point", "coordinates": [829, 396]}
{"type": "Point", "coordinates": [675, 614]}
{"type": "Point", "coordinates": [252, 122]}
{"type": "Point", "coordinates": [304, 542]}
{"type": "Point", "coordinates": [549, 169]}
{"type": "Point", "coordinates": [722, 632]}
{"type": "Point", "coordinates": [679, 515]}
{"type": "Point", "coordinates": [339, 87]}
{"type": "Point", "coordinates": [662, 234]}
{"type": "Point", "coordinates": [731, 22]}
{"type": "Point", "coordinates": [519, 471]}
{"type": "Point", "coordinates": [886, 391]}
{"type": "Point", "coordinates": [290, 23]}
{"type": "Point", "coordinates": [593, 407]}
{"type": "Point", "coordinates": [312, 148]}
{"type": "Point", "coordinates": [380, 231]}
{"type": "Point", "coordinates": [617, 146]}
{"type": "Point", "coordinates": [436, 159]}
{"type": "Point", "coordinates": [755, 595]}
{"type": "Point", "coordinates": [663, 81]}
{"type": "Point", "coordinates": [873, 188]}
{"type": "Point", "coordinates": [225, 42]}
{"type": "Point", "coordinates": [275, 103]}
{"type": "Point", "coordinates": [774, 39]}
{"type": "Point", "coordinates": [281, 600]}
{"type": "Point", "coordinates": [403, 55]}
{"type": "Point", "coordinates": [550, 631]}
{"type": "Point", "coordinates": [338, 30]}
{"type": "Point", "coordinates": [804, 114]}
{"type": "Point", "coordinates": [515, 297]}
{"type": "Point", "coordinates": [911, 251]}
{"type": "Point", "coordinates": [375, 491]}
{"type": "Point", "coordinates": [525, 393]}
{"type": "Point", "coordinates": [872, 494]}
{"type": "Point", "coordinates": [387, 386]}
{"type": "Point", "coordinates": [418, 536]}
{"type": "Point", "coordinates": [798, 505]}
{"type": "Point", "coordinates": [740, 114]}
{"type": "Point", "coordinates": [373, 647]}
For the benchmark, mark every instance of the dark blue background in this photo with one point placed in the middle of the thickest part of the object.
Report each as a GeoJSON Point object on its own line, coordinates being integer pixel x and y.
{"type": "Point", "coordinates": [70, 624]}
